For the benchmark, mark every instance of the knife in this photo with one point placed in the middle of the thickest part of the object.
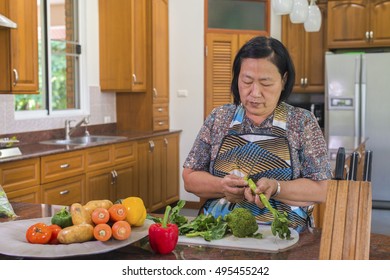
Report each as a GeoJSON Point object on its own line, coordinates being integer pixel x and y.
{"type": "Point", "coordinates": [340, 161]}
{"type": "Point", "coordinates": [367, 166]}
{"type": "Point", "coordinates": [353, 166]}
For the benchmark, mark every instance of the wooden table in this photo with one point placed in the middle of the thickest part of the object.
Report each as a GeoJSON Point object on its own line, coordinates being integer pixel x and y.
{"type": "Point", "coordinates": [307, 247]}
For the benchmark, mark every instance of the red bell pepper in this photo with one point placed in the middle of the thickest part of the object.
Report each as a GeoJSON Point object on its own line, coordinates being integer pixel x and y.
{"type": "Point", "coordinates": [163, 236]}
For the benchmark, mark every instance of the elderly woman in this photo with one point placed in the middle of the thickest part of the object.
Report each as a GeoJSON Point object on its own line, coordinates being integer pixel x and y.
{"type": "Point", "coordinates": [279, 146]}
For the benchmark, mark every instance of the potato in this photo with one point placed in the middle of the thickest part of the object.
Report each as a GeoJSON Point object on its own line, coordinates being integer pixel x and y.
{"type": "Point", "coordinates": [80, 215]}
{"type": "Point", "coordinates": [93, 204]}
{"type": "Point", "coordinates": [76, 234]}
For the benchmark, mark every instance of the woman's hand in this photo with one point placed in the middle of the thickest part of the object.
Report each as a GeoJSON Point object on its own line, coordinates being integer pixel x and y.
{"type": "Point", "coordinates": [264, 185]}
{"type": "Point", "coordinates": [233, 188]}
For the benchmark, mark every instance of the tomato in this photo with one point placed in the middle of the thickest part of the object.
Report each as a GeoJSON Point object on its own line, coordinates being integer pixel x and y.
{"type": "Point", "coordinates": [55, 229]}
{"type": "Point", "coordinates": [38, 233]}
{"type": "Point", "coordinates": [118, 212]}
{"type": "Point", "coordinates": [121, 230]}
{"type": "Point", "coordinates": [102, 232]}
{"type": "Point", "coordinates": [100, 216]}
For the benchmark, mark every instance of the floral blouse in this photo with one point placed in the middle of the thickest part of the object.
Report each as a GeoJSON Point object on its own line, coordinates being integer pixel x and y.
{"type": "Point", "coordinates": [307, 144]}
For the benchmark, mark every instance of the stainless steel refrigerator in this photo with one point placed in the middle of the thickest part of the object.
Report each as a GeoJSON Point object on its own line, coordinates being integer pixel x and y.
{"type": "Point", "coordinates": [357, 106]}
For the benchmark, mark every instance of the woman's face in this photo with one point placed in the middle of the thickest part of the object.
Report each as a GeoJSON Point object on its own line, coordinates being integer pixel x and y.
{"type": "Point", "coordinates": [260, 85]}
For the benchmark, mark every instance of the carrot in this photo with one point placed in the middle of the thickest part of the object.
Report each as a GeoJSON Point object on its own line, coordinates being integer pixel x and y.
{"type": "Point", "coordinates": [100, 216]}
{"type": "Point", "coordinates": [121, 230]}
{"type": "Point", "coordinates": [102, 232]}
{"type": "Point", "coordinates": [118, 212]}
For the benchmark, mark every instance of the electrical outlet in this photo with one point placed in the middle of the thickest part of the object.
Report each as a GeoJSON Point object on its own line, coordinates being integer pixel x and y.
{"type": "Point", "coordinates": [107, 119]}
{"type": "Point", "coordinates": [182, 93]}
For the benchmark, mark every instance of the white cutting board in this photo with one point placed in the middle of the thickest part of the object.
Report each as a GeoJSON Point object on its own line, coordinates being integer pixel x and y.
{"type": "Point", "coordinates": [269, 242]}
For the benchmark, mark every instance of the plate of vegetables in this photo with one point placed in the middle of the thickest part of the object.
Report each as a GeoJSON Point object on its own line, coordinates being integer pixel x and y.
{"type": "Point", "coordinates": [97, 227]}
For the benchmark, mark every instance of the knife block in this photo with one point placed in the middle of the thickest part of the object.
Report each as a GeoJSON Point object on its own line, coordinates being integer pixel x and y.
{"type": "Point", "coordinates": [347, 221]}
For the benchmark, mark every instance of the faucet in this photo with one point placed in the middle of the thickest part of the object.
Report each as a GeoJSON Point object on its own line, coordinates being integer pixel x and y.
{"type": "Point", "coordinates": [69, 131]}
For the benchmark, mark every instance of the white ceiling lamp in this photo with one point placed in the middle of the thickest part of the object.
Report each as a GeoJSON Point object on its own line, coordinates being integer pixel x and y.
{"type": "Point", "coordinates": [300, 11]}
{"type": "Point", "coordinates": [314, 18]}
{"type": "Point", "coordinates": [282, 7]}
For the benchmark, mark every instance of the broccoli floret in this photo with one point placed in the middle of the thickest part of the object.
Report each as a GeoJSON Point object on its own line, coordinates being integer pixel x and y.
{"type": "Point", "coordinates": [242, 223]}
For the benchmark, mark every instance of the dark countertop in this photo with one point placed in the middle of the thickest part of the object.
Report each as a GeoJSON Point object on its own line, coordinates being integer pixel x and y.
{"type": "Point", "coordinates": [307, 247]}
{"type": "Point", "coordinates": [36, 149]}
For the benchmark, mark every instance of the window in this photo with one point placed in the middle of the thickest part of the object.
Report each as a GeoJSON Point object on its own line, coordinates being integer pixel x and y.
{"type": "Point", "coordinates": [238, 14]}
{"type": "Point", "coordinates": [59, 59]}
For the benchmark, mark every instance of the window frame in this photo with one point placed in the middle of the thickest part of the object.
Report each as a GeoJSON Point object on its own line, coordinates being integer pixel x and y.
{"type": "Point", "coordinates": [83, 87]}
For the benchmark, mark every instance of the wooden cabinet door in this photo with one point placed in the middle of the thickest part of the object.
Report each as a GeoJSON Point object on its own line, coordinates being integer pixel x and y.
{"type": "Point", "coordinates": [380, 22]}
{"type": "Point", "coordinates": [171, 167]}
{"type": "Point", "coordinates": [157, 176]}
{"type": "Point", "coordinates": [307, 50]}
{"type": "Point", "coordinates": [126, 181]}
{"type": "Point", "coordinates": [19, 48]}
{"type": "Point", "coordinates": [348, 22]}
{"type": "Point", "coordinates": [122, 35]}
{"type": "Point", "coordinates": [160, 51]}
{"type": "Point", "coordinates": [221, 49]}
{"type": "Point", "coordinates": [100, 184]}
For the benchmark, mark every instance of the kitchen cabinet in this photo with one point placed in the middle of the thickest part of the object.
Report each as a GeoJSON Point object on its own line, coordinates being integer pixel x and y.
{"type": "Point", "coordinates": [150, 109]}
{"type": "Point", "coordinates": [123, 45]}
{"type": "Point", "coordinates": [110, 171]}
{"type": "Point", "coordinates": [160, 64]}
{"type": "Point", "coordinates": [21, 179]}
{"type": "Point", "coordinates": [62, 178]}
{"type": "Point", "coordinates": [19, 48]}
{"type": "Point", "coordinates": [358, 24]}
{"type": "Point", "coordinates": [307, 50]}
{"type": "Point", "coordinates": [65, 191]}
{"type": "Point", "coordinates": [158, 164]}
{"type": "Point", "coordinates": [221, 49]}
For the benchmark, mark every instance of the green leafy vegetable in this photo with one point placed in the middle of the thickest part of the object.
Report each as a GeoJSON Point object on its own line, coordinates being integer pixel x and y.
{"type": "Point", "coordinates": [280, 223]}
{"type": "Point", "coordinates": [206, 226]}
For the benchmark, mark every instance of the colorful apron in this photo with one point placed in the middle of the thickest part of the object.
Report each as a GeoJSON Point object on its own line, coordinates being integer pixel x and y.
{"type": "Point", "coordinates": [260, 155]}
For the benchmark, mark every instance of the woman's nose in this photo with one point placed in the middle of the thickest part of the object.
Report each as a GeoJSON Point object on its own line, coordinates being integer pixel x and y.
{"type": "Point", "coordinates": [256, 90]}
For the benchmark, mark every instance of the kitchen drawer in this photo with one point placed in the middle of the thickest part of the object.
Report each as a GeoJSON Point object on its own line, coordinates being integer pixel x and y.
{"type": "Point", "coordinates": [160, 110]}
{"type": "Point", "coordinates": [29, 195]}
{"type": "Point", "coordinates": [60, 166]}
{"type": "Point", "coordinates": [160, 123]}
{"type": "Point", "coordinates": [99, 157]}
{"type": "Point", "coordinates": [20, 174]}
{"type": "Point", "coordinates": [125, 152]}
{"type": "Point", "coordinates": [64, 192]}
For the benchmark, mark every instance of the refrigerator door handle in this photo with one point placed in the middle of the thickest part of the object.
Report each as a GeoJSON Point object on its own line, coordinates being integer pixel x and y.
{"type": "Point", "coordinates": [357, 96]}
{"type": "Point", "coordinates": [363, 99]}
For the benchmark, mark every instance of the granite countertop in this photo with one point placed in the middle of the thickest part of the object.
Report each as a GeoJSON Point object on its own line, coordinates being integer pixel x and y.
{"type": "Point", "coordinates": [34, 148]}
{"type": "Point", "coordinates": [307, 247]}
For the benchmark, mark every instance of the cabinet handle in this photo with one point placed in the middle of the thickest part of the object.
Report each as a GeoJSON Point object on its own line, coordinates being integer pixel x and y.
{"type": "Point", "coordinates": [302, 84]}
{"type": "Point", "coordinates": [155, 93]}
{"type": "Point", "coordinates": [16, 76]}
{"type": "Point", "coordinates": [134, 79]}
{"type": "Point", "coordinates": [160, 109]}
{"type": "Point", "coordinates": [166, 141]}
{"type": "Point", "coordinates": [305, 82]}
{"type": "Point", "coordinates": [64, 192]}
{"type": "Point", "coordinates": [371, 34]}
{"type": "Point", "coordinates": [65, 165]}
{"type": "Point", "coordinates": [151, 146]}
{"type": "Point", "coordinates": [367, 35]}
{"type": "Point", "coordinates": [160, 123]}
{"type": "Point", "coordinates": [112, 177]}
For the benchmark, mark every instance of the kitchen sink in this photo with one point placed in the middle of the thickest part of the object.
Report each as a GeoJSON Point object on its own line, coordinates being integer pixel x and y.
{"type": "Point", "coordinates": [84, 140]}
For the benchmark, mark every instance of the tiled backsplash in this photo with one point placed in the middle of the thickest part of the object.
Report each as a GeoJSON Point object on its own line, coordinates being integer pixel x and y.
{"type": "Point", "coordinates": [102, 108]}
